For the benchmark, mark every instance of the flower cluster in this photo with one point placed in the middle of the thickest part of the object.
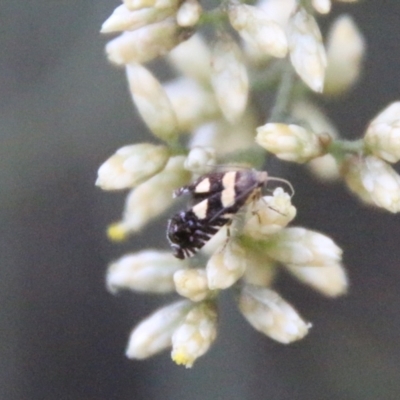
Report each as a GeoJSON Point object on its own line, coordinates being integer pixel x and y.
{"type": "Point", "coordinates": [208, 115]}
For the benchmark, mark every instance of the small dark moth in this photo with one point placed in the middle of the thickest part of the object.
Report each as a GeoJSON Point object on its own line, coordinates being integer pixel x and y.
{"type": "Point", "coordinates": [218, 196]}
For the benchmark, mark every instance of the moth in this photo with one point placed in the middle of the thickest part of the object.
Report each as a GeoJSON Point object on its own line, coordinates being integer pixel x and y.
{"type": "Point", "coordinates": [217, 197]}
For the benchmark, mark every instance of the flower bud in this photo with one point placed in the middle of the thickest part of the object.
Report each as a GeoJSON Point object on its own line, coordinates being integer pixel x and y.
{"type": "Point", "coordinates": [226, 266]}
{"type": "Point", "coordinates": [330, 280]}
{"type": "Point", "coordinates": [374, 181]}
{"type": "Point", "coordinates": [152, 102]}
{"type": "Point", "coordinates": [195, 334]}
{"type": "Point", "coordinates": [145, 271]}
{"type": "Point", "coordinates": [193, 59]}
{"type": "Point", "coordinates": [278, 10]}
{"type": "Point", "coordinates": [324, 167]}
{"type": "Point", "coordinates": [138, 4]}
{"type": "Point", "coordinates": [160, 4]}
{"type": "Point", "coordinates": [383, 134]}
{"type": "Point", "coordinates": [132, 165]}
{"type": "Point", "coordinates": [152, 197]}
{"type": "Point", "coordinates": [268, 313]}
{"type": "Point", "coordinates": [345, 51]}
{"type": "Point", "coordinates": [200, 159]}
{"type": "Point", "coordinates": [260, 270]}
{"type": "Point", "coordinates": [290, 142]}
{"type": "Point", "coordinates": [192, 103]}
{"type": "Point", "coordinates": [307, 51]}
{"type": "Point", "coordinates": [147, 43]}
{"type": "Point", "coordinates": [300, 246]}
{"type": "Point", "coordinates": [154, 333]}
{"type": "Point", "coordinates": [226, 138]}
{"type": "Point", "coordinates": [122, 19]}
{"type": "Point", "coordinates": [269, 215]}
{"type": "Point", "coordinates": [189, 13]}
{"type": "Point", "coordinates": [229, 78]}
{"type": "Point", "coordinates": [192, 283]}
{"type": "Point", "coordinates": [255, 26]}
{"type": "Point", "coordinates": [322, 6]}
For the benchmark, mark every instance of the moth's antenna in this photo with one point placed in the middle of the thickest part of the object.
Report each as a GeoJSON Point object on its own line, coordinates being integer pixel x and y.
{"type": "Point", "coordinates": [284, 181]}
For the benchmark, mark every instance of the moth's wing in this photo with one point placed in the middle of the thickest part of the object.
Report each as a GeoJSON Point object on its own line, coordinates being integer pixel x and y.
{"type": "Point", "coordinates": [203, 187]}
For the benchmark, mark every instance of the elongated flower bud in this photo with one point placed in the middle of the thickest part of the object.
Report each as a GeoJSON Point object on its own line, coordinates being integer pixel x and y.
{"type": "Point", "coordinates": [226, 266]}
{"type": "Point", "coordinates": [330, 280]}
{"type": "Point", "coordinates": [345, 51]}
{"type": "Point", "coordinates": [192, 283]}
{"type": "Point", "coordinates": [374, 181]}
{"type": "Point", "coordinates": [229, 78]}
{"type": "Point", "coordinates": [269, 215]}
{"type": "Point", "coordinates": [192, 103]}
{"type": "Point", "coordinates": [254, 26]}
{"type": "Point", "coordinates": [322, 6]}
{"type": "Point", "coordinates": [290, 142]}
{"type": "Point", "coordinates": [200, 159]}
{"type": "Point", "coordinates": [195, 334]}
{"type": "Point", "coordinates": [307, 51]}
{"type": "Point", "coordinates": [189, 13]}
{"type": "Point", "coordinates": [152, 102]}
{"type": "Point", "coordinates": [145, 271]}
{"type": "Point", "coordinates": [300, 246]}
{"type": "Point", "coordinates": [122, 19]}
{"type": "Point", "coordinates": [151, 198]}
{"type": "Point", "coordinates": [147, 43]}
{"type": "Point", "coordinates": [267, 312]}
{"type": "Point", "coordinates": [132, 165]}
{"type": "Point", "coordinates": [193, 59]}
{"type": "Point", "coordinates": [383, 134]}
{"type": "Point", "coordinates": [154, 333]}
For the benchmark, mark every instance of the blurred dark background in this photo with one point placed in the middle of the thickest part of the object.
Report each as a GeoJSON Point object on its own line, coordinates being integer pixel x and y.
{"type": "Point", "coordinates": [63, 111]}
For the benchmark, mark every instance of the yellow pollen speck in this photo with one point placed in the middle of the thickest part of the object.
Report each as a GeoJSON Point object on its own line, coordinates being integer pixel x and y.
{"type": "Point", "coordinates": [116, 232]}
{"type": "Point", "coordinates": [180, 357]}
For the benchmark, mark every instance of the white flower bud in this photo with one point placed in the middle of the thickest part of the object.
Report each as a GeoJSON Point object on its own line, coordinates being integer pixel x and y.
{"type": "Point", "coordinates": [195, 335]}
{"type": "Point", "coordinates": [145, 271]}
{"type": "Point", "coordinates": [278, 10]}
{"type": "Point", "coordinates": [255, 26]}
{"type": "Point", "coordinates": [345, 51]}
{"type": "Point", "coordinates": [193, 59]}
{"type": "Point", "coordinates": [307, 51]}
{"type": "Point", "coordinates": [189, 13]}
{"type": "Point", "coordinates": [300, 246]}
{"type": "Point", "coordinates": [322, 6]}
{"type": "Point", "coordinates": [383, 134]}
{"type": "Point", "coordinates": [226, 138]}
{"type": "Point", "coordinates": [229, 78]}
{"type": "Point", "coordinates": [226, 266]}
{"type": "Point", "coordinates": [192, 283]}
{"type": "Point", "coordinates": [200, 159]}
{"type": "Point", "coordinates": [122, 19]}
{"type": "Point", "coordinates": [325, 167]}
{"type": "Point", "coordinates": [269, 215]}
{"type": "Point", "coordinates": [268, 313]}
{"type": "Point", "coordinates": [145, 44]}
{"type": "Point", "coordinates": [138, 4]}
{"type": "Point", "coordinates": [193, 105]}
{"type": "Point", "coordinates": [374, 181]}
{"type": "Point", "coordinates": [330, 280]}
{"type": "Point", "coordinates": [152, 102]}
{"type": "Point", "coordinates": [260, 270]}
{"type": "Point", "coordinates": [154, 333]}
{"type": "Point", "coordinates": [132, 165]}
{"type": "Point", "coordinates": [150, 199]}
{"type": "Point", "coordinates": [290, 142]}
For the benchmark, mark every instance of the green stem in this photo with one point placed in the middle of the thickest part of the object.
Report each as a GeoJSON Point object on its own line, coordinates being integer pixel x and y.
{"type": "Point", "coordinates": [280, 110]}
{"type": "Point", "coordinates": [340, 148]}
